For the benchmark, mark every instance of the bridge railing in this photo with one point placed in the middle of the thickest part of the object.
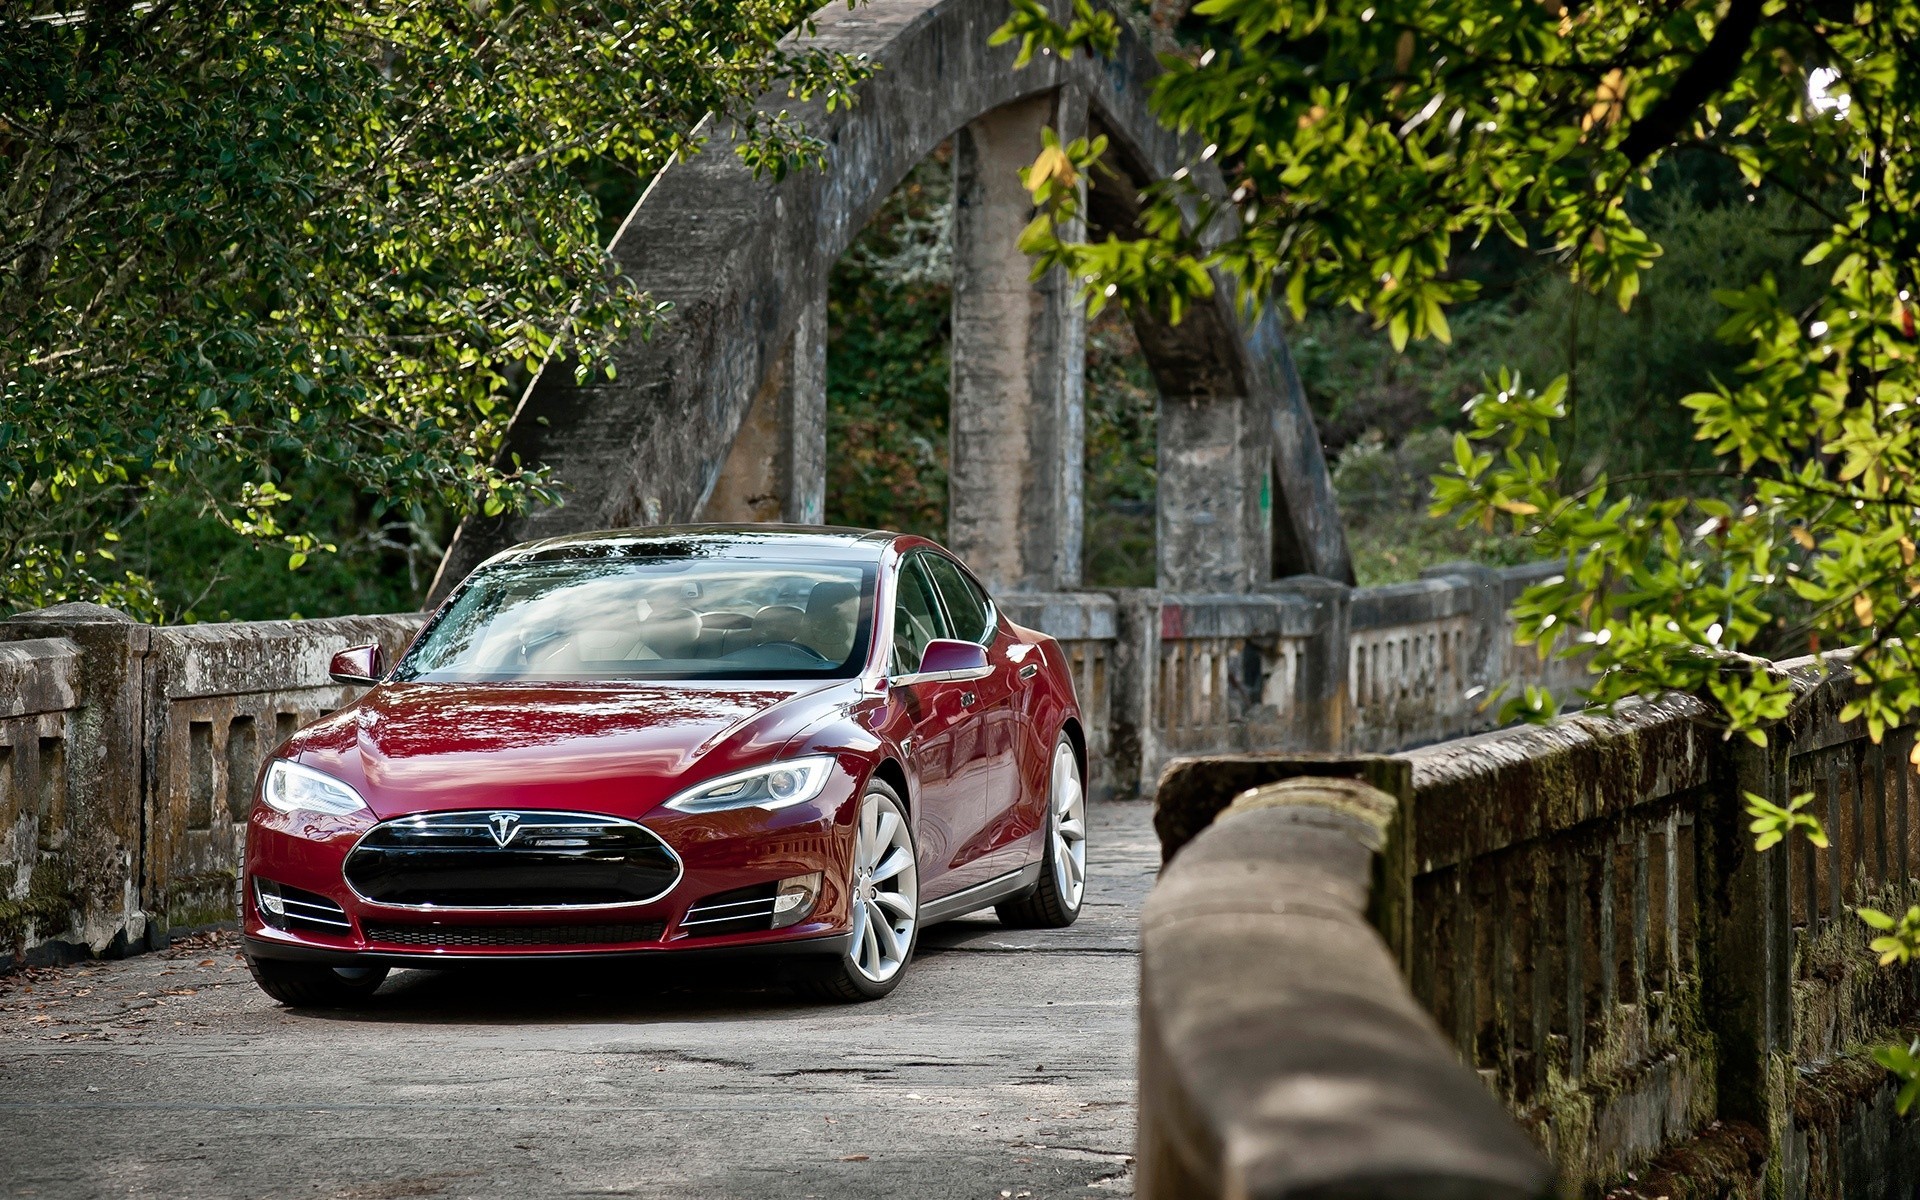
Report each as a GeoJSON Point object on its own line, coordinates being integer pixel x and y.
{"type": "Point", "coordinates": [128, 755]}
{"type": "Point", "coordinates": [39, 702]}
{"type": "Point", "coordinates": [219, 698]}
{"type": "Point", "coordinates": [1281, 1052]}
{"type": "Point", "coordinates": [1580, 909]}
{"type": "Point", "coordinates": [1306, 664]}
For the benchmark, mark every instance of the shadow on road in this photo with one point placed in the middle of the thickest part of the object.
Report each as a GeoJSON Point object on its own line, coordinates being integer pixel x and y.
{"type": "Point", "coordinates": [559, 992]}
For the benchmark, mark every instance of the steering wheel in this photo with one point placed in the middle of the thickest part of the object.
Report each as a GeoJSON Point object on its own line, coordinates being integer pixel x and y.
{"type": "Point", "coordinates": [809, 651]}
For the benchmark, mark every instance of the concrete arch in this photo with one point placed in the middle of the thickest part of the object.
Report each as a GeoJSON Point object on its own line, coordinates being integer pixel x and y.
{"type": "Point", "coordinates": [727, 398]}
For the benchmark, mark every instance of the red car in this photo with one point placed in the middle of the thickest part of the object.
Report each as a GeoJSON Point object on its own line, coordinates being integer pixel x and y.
{"type": "Point", "coordinates": [806, 742]}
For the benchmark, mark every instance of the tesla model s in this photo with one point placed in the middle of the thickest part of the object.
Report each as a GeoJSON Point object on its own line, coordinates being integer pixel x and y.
{"type": "Point", "coordinates": [803, 743]}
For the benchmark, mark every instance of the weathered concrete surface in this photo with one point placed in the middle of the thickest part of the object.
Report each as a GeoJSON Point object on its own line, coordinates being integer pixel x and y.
{"type": "Point", "coordinates": [1003, 1066]}
{"type": "Point", "coordinates": [1019, 361]}
{"type": "Point", "coordinates": [1282, 1056]}
{"type": "Point", "coordinates": [777, 468]}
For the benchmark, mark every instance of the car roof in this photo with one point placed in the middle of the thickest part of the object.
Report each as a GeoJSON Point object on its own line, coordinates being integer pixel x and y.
{"type": "Point", "coordinates": [737, 541]}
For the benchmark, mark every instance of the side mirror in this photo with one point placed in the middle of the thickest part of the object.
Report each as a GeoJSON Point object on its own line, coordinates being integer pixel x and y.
{"type": "Point", "coordinates": [357, 664]}
{"type": "Point", "coordinates": [953, 661]}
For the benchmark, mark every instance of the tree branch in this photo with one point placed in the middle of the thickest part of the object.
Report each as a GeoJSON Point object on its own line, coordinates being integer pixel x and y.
{"type": "Point", "coordinates": [1712, 69]}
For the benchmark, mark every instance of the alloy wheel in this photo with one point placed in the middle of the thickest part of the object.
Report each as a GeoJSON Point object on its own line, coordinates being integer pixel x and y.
{"type": "Point", "coordinates": [1069, 822]}
{"type": "Point", "coordinates": [886, 891]}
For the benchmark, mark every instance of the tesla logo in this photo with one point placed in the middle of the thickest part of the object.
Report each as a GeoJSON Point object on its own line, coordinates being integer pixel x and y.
{"type": "Point", "coordinates": [504, 825]}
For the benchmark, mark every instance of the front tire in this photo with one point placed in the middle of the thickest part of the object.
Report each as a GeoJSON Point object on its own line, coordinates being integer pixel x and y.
{"type": "Point", "coordinates": [312, 985]}
{"type": "Point", "coordinates": [1054, 902]}
{"type": "Point", "coordinates": [885, 904]}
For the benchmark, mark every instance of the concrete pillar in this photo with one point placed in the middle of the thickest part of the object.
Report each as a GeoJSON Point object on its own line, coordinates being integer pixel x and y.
{"type": "Point", "coordinates": [1132, 737]}
{"type": "Point", "coordinates": [1324, 699]}
{"type": "Point", "coordinates": [777, 467]}
{"type": "Point", "coordinates": [1215, 493]}
{"type": "Point", "coordinates": [1746, 937]}
{"type": "Point", "coordinates": [1019, 360]}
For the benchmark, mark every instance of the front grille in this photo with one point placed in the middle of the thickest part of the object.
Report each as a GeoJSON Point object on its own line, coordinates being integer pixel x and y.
{"type": "Point", "coordinates": [300, 910]}
{"type": "Point", "coordinates": [510, 859]}
{"type": "Point", "coordinates": [480, 936]}
{"type": "Point", "coordinates": [743, 910]}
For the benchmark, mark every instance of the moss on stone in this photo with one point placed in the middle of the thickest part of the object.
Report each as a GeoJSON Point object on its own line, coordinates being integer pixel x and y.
{"type": "Point", "coordinates": [47, 906]}
{"type": "Point", "coordinates": [203, 899]}
{"type": "Point", "coordinates": [1566, 1114]}
{"type": "Point", "coordinates": [1727, 1161]}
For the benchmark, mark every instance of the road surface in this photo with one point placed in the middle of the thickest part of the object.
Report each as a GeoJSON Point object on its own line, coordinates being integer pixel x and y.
{"type": "Point", "coordinates": [1002, 1067]}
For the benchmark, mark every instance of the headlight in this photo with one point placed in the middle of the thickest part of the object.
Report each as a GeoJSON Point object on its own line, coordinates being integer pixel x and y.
{"type": "Point", "coordinates": [291, 787]}
{"type": "Point", "coordinates": [776, 785]}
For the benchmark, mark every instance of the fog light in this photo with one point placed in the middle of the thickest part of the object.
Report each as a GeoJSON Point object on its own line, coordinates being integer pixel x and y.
{"type": "Point", "coordinates": [266, 895]}
{"type": "Point", "coordinates": [793, 899]}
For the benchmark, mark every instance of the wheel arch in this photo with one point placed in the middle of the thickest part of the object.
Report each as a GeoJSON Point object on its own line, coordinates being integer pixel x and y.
{"type": "Point", "coordinates": [889, 771]}
{"type": "Point", "coordinates": [1077, 737]}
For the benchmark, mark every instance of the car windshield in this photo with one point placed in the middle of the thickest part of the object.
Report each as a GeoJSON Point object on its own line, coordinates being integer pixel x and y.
{"type": "Point", "coordinates": [650, 618]}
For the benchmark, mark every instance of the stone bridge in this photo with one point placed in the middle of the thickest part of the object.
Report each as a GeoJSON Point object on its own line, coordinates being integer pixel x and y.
{"type": "Point", "coordinates": [722, 414]}
{"type": "Point", "coordinates": [1393, 953]}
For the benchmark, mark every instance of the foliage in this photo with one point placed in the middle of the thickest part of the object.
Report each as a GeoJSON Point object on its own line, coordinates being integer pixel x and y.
{"type": "Point", "coordinates": [1122, 479]}
{"type": "Point", "coordinates": [1902, 937]}
{"type": "Point", "coordinates": [1773, 824]}
{"type": "Point", "coordinates": [1383, 492]}
{"type": "Point", "coordinates": [1628, 369]}
{"type": "Point", "coordinates": [1380, 408]}
{"type": "Point", "coordinates": [1903, 1061]}
{"type": "Point", "coordinates": [253, 251]}
{"type": "Point", "coordinates": [888, 301]}
{"type": "Point", "coordinates": [202, 571]}
{"type": "Point", "coordinates": [1366, 145]}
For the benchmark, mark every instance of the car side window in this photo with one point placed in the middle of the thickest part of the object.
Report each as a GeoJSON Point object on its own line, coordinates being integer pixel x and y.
{"type": "Point", "coordinates": [966, 603]}
{"type": "Point", "coordinates": [917, 619]}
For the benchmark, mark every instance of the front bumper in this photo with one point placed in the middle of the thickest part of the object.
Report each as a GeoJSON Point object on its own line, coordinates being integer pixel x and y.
{"type": "Point", "coordinates": [719, 853]}
{"type": "Point", "coordinates": [306, 951]}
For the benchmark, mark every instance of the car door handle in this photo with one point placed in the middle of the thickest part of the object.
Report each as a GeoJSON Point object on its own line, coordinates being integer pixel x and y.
{"type": "Point", "coordinates": [968, 699]}
{"type": "Point", "coordinates": [1030, 670]}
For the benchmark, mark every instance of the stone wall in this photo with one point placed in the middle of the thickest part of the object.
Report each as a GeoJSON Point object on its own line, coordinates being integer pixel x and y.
{"type": "Point", "coordinates": [39, 689]}
{"type": "Point", "coordinates": [1665, 1010]}
{"type": "Point", "coordinates": [1306, 664]}
{"type": "Point", "coordinates": [219, 699]}
{"type": "Point", "coordinates": [1281, 1052]}
{"type": "Point", "coordinates": [128, 758]}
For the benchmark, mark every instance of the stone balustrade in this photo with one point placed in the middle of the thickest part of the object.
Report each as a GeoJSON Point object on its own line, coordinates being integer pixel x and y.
{"type": "Point", "coordinates": [1580, 910]}
{"type": "Point", "coordinates": [1281, 1053]}
{"type": "Point", "coordinates": [1306, 664]}
{"type": "Point", "coordinates": [40, 861]}
{"type": "Point", "coordinates": [128, 757]}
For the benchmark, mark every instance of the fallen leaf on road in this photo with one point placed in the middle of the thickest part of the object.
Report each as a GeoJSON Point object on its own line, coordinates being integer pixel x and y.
{"type": "Point", "coordinates": [853, 1158]}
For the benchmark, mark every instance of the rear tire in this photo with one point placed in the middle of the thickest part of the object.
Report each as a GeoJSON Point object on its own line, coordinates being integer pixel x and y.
{"type": "Point", "coordinates": [1054, 902]}
{"type": "Point", "coordinates": [885, 906]}
{"type": "Point", "coordinates": [313, 985]}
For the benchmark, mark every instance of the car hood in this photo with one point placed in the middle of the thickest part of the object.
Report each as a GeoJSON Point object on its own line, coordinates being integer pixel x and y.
{"type": "Point", "coordinates": [620, 749]}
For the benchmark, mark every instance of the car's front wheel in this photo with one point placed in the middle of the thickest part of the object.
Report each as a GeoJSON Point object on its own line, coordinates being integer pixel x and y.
{"type": "Point", "coordinates": [311, 985]}
{"type": "Point", "coordinates": [885, 903]}
{"type": "Point", "coordinates": [1054, 902]}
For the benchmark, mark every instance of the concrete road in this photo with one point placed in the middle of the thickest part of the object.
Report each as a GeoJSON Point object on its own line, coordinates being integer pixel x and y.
{"type": "Point", "coordinates": [1002, 1067]}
